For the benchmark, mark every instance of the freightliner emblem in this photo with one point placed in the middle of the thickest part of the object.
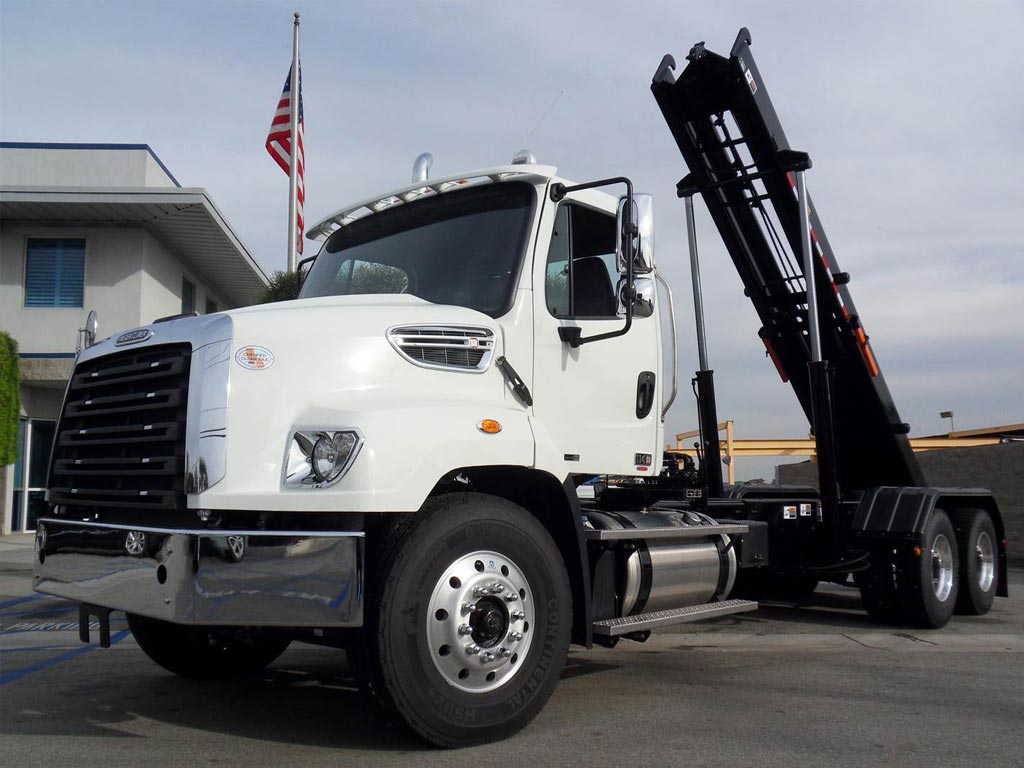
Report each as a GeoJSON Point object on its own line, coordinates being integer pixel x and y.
{"type": "Point", "coordinates": [133, 337]}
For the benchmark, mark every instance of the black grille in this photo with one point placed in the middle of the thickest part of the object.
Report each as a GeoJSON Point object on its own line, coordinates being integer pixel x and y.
{"type": "Point", "coordinates": [457, 358]}
{"type": "Point", "coordinates": [121, 438]}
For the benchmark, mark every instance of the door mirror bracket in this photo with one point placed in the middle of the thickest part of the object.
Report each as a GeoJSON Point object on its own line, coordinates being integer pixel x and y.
{"type": "Point", "coordinates": [627, 233]}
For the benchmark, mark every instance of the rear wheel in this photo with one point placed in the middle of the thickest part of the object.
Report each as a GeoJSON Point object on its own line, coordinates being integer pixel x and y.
{"type": "Point", "coordinates": [929, 594]}
{"type": "Point", "coordinates": [469, 629]}
{"type": "Point", "coordinates": [979, 564]}
{"type": "Point", "coordinates": [207, 652]}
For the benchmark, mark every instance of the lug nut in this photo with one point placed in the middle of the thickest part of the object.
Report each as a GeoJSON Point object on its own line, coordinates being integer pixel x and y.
{"type": "Point", "coordinates": [511, 597]}
{"type": "Point", "coordinates": [514, 637]}
{"type": "Point", "coordinates": [497, 588]}
{"type": "Point", "coordinates": [465, 629]}
{"type": "Point", "coordinates": [481, 591]}
{"type": "Point", "coordinates": [504, 652]}
{"type": "Point", "coordinates": [468, 608]}
{"type": "Point", "coordinates": [518, 615]}
{"type": "Point", "coordinates": [486, 657]}
{"type": "Point", "coordinates": [472, 648]}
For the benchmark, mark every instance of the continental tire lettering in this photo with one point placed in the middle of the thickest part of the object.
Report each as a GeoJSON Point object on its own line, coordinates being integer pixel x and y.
{"type": "Point", "coordinates": [450, 709]}
{"type": "Point", "coordinates": [524, 694]}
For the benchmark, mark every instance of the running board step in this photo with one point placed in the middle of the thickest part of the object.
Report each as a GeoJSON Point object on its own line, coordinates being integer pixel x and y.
{"type": "Point", "coordinates": [644, 621]}
{"type": "Point", "coordinates": [668, 532]}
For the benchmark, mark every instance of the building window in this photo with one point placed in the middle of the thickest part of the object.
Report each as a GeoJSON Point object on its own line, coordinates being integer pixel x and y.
{"type": "Point", "coordinates": [55, 272]}
{"type": "Point", "coordinates": [211, 306]}
{"type": "Point", "coordinates": [188, 296]}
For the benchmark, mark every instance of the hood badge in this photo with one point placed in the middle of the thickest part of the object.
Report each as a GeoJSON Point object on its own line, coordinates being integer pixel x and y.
{"type": "Point", "coordinates": [133, 337]}
{"type": "Point", "coordinates": [254, 358]}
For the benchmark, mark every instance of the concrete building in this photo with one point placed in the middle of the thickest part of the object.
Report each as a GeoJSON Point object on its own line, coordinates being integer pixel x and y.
{"type": "Point", "coordinates": [103, 227]}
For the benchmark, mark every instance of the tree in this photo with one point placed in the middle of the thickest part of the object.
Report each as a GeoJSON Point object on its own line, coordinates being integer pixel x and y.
{"type": "Point", "coordinates": [284, 286]}
{"type": "Point", "coordinates": [370, 277]}
{"type": "Point", "coordinates": [10, 405]}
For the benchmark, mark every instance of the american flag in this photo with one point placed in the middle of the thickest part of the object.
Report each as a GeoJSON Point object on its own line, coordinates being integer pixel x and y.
{"type": "Point", "coordinates": [279, 145]}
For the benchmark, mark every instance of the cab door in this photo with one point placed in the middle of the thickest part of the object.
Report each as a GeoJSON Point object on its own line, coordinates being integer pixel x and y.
{"type": "Point", "coordinates": [597, 407]}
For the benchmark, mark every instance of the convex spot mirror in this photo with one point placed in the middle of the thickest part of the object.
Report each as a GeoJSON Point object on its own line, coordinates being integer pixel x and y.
{"type": "Point", "coordinates": [643, 241]}
{"type": "Point", "coordinates": [644, 291]}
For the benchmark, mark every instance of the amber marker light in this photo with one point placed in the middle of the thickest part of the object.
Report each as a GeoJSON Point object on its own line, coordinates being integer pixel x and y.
{"type": "Point", "coordinates": [918, 551]}
{"type": "Point", "coordinates": [489, 427]}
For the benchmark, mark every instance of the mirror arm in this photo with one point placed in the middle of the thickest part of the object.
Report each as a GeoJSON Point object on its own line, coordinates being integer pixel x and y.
{"type": "Point", "coordinates": [573, 336]}
{"type": "Point", "coordinates": [298, 269]}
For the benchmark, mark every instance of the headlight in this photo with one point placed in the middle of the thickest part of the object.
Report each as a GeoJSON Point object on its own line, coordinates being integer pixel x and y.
{"type": "Point", "coordinates": [317, 458]}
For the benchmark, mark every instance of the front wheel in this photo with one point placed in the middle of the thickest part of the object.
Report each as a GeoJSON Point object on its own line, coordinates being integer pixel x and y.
{"type": "Point", "coordinates": [468, 629]}
{"type": "Point", "coordinates": [207, 652]}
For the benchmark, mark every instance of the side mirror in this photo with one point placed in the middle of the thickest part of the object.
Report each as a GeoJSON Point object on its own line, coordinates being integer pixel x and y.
{"type": "Point", "coordinates": [643, 240]}
{"type": "Point", "coordinates": [87, 335]}
{"type": "Point", "coordinates": [644, 291]}
{"type": "Point", "coordinates": [308, 264]}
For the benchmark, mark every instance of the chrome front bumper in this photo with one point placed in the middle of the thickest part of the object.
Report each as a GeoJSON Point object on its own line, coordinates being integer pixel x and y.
{"type": "Point", "coordinates": [247, 578]}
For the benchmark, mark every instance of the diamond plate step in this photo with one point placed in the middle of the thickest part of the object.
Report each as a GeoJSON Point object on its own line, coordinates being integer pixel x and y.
{"type": "Point", "coordinates": [644, 621]}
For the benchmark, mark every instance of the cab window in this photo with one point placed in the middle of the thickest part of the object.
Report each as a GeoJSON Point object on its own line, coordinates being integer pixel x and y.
{"type": "Point", "coordinates": [580, 275]}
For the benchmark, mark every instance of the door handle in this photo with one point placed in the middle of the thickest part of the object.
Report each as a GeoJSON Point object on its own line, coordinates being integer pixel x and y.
{"type": "Point", "coordinates": [644, 394]}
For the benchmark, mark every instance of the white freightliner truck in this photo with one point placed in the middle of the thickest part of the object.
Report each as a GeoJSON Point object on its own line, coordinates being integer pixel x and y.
{"type": "Point", "coordinates": [394, 463]}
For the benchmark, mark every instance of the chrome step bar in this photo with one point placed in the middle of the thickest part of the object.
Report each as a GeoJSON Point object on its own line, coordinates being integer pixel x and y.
{"type": "Point", "coordinates": [667, 532]}
{"type": "Point", "coordinates": [645, 621]}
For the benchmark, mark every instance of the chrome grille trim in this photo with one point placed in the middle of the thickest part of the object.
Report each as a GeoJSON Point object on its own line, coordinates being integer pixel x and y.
{"type": "Point", "coordinates": [464, 348]}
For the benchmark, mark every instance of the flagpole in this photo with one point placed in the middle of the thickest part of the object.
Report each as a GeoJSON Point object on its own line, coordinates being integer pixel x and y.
{"type": "Point", "coordinates": [293, 166]}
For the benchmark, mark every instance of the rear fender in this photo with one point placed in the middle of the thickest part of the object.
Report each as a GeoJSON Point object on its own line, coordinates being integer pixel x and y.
{"type": "Point", "coordinates": [899, 514]}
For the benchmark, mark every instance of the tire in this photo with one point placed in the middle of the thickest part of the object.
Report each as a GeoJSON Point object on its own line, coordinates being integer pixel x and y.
{"type": "Point", "coordinates": [929, 594]}
{"type": "Point", "coordinates": [427, 568]}
{"type": "Point", "coordinates": [979, 564]}
{"type": "Point", "coordinates": [207, 652]}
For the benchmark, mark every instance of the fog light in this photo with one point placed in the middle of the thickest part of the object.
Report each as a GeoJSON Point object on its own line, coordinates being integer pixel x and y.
{"type": "Point", "coordinates": [317, 458]}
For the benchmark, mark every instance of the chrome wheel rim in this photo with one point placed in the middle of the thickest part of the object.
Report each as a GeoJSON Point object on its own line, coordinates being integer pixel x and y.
{"type": "Point", "coordinates": [480, 621]}
{"type": "Point", "coordinates": [942, 567]}
{"type": "Point", "coordinates": [985, 558]}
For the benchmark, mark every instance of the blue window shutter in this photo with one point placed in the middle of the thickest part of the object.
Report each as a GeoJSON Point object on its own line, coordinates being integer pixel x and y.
{"type": "Point", "coordinates": [55, 272]}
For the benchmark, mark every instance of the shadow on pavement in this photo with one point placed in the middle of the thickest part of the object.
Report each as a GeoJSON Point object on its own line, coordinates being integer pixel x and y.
{"type": "Point", "coordinates": [307, 698]}
{"type": "Point", "coordinates": [301, 700]}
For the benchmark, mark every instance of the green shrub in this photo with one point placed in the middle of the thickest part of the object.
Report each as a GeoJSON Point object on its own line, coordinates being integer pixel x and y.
{"type": "Point", "coordinates": [284, 286]}
{"type": "Point", "coordinates": [10, 404]}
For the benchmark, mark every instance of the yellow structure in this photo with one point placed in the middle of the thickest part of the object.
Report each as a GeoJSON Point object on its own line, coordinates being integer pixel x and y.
{"type": "Point", "coordinates": [732, 448]}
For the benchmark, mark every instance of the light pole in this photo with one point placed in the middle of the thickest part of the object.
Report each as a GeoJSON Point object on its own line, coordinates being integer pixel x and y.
{"type": "Point", "coordinates": [948, 415]}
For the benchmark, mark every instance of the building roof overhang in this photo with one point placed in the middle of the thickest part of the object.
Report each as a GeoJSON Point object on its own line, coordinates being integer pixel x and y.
{"type": "Point", "coordinates": [185, 219]}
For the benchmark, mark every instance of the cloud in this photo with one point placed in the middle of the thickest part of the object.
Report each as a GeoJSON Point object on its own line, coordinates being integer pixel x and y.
{"type": "Point", "coordinates": [911, 112]}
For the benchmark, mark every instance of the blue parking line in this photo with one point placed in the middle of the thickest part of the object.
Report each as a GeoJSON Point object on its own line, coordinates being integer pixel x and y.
{"type": "Point", "coordinates": [17, 674]}
{"type": "Point", "coordinates": [33, 648]}
{"type": "Point", "coordinates": [20, 600]}
{"type": "Point", "coordinates": [39, 611]}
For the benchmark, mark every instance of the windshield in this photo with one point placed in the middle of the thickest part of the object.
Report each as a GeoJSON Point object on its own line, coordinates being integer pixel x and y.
{"type": "Point", "coordinates": [462, 248]}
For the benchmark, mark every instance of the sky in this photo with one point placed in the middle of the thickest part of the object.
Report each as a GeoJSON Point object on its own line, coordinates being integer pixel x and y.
{"type": "Point", "coordinates": [913, 113]}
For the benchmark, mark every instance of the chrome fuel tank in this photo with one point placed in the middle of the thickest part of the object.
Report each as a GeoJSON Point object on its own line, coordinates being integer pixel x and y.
{"type": "Point", "coordinates": [662, 574]}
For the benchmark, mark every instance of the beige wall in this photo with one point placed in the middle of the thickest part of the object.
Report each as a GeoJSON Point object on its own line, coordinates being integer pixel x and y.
{"type": "Point", "coordinates": [131, 279]}
{"type": "Point", "coordinates": [161, 283]}
{"type": "Point", "coordinates": [113, 263]}
{"type": "Point", "coordinates": [81, 168]}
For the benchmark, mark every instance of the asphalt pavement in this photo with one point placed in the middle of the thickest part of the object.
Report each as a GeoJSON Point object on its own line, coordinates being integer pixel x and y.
{"type": "Point", "coordinates": [814, 683]}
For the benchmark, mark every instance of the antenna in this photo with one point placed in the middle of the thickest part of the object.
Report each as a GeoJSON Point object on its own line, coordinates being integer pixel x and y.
{"type": "Point", "coordinates": [543, 117]}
